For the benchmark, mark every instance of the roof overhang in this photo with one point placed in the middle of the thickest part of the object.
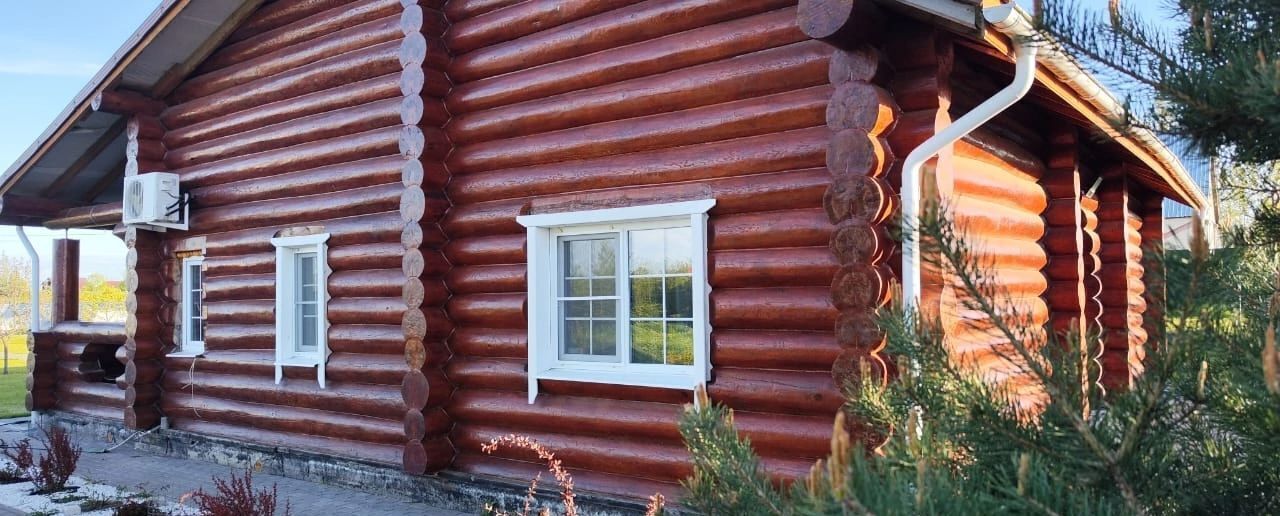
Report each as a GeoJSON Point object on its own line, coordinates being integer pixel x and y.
{"type": "Point", "coordinates": [79, 159]}
{"type": "Point", "coordinates": [1061, 74]}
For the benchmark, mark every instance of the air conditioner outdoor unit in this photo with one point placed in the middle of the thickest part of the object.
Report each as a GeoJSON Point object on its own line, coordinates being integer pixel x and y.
{"type": "Point", "coordinates": [152, 200]}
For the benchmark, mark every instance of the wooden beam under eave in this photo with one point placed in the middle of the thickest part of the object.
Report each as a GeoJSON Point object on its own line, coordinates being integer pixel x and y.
{"type": "Point", "coordinates": [178, 72]}
{"type": "Point", "coordinates": [12, 205]}
{"type": "Point", "coordinates": [85, 158]}
{"type": "Point", "coordinates": [95, 216]}
{"type": "Point", "coordinates": [113, 174]}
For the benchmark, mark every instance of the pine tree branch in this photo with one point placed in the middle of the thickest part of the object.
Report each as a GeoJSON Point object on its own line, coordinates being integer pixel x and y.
{"type": "Point", "coordinates": [957, 260]}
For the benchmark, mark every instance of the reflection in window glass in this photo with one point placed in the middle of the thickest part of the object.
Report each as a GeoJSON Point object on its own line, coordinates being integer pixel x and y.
{"type": "Point", "coordinates": [588, 298]}
{"type": "Point", "coordinates": [195, 317]}
{"type": "Point", "coordinates": [307, 318]}
{"type": "Point", "coordinates": [661, 266]}
{"type": "Point", "coordinates": [658, 289]}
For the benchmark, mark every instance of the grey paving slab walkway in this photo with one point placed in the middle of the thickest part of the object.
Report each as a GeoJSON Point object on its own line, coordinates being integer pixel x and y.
{"type": "Point", "coordinates": [170, 478]}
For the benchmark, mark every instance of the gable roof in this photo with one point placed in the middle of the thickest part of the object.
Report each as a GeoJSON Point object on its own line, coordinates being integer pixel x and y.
{"type": "Point", "coordinates": [79, 159]}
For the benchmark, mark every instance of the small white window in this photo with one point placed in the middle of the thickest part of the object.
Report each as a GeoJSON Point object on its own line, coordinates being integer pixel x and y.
{"type": "Point", "coordinates": [619, 296]}
{"type": "Point", "coordinates": [301, 321]}
{"type": "Point", "coordinates": [192, 326]}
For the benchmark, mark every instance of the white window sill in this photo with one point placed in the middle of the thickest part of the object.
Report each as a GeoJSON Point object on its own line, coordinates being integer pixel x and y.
{"type": "Point", "coordinates": [299, 362]}
{"type": "Point", "coordinates": [185, 355]}
{"type": "Point", "coordinates": [680, 381]}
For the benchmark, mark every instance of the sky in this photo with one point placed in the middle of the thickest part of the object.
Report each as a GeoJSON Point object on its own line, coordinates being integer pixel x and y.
{"type": "Point", "coordinates": [49, 49]}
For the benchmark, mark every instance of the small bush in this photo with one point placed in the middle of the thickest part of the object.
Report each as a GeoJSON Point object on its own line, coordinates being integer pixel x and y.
{"type": "Point", "coordinates": [236, 497]}
{"type": "Point", "coordinates": [61, 455]}
{"type": "Point", "coordinates": [21, 460]}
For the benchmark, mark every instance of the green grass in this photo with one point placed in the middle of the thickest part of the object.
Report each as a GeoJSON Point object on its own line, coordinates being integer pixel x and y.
{"type": "Point", "coordinates": [13, 393]}
{"type": "Point", "coordinates": [17, 345]}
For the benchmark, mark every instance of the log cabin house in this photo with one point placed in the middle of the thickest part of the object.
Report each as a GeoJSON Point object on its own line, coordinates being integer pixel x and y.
{"type": "Point", "coordinates": [414, 226]}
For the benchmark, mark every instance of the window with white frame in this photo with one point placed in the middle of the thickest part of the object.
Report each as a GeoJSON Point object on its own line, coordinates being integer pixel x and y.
{"type": "Point", "coordinates": [619, 296]}
{"type": "Point", "coordinates": [301, 322]}
{"type": "Point", "coordinates": [192, 326]}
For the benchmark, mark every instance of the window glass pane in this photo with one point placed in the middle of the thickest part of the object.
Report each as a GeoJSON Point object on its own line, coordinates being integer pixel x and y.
{"type": "Point", "coordinates": [577, 337]}
{"type": "Point", "coordinates": [577, 309]}
{"type": "Point", "coordinates": [604, 337]}
{"type": "Point", "coordinates": [680, 296]}
{"type": "Point", "coordinates": [197, 329]}
{"type": "Point", "coordinates": [646, 297]}
{"type": "Point", "coordinates": [604, 287]}
{"type": "Point", "coordinates": [646, 342]}
{"type": "Point", "coordinates": [679, 258]}
{"type": "Point", "coordinates": [646, 252]}
{"type": "Point", "coordinates": [577, 258]}
{"type": "Point", "coordinates": [680, 343]}
{"type": "Point", "coordinates": [604, 309]}
{"type": "Point", "coordinates": [604, 257]}
{"type": "Point", "coordinates": [306, 276]}
{"type": "Point", "coordinates": [577, 288]}
{"type": "Point", "coordinates": [307, 333]}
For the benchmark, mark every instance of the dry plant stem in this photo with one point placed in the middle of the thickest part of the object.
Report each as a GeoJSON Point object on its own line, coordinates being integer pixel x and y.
{"type": "Point", "coordinates": [553, 464]}
{"type": "Point", "coordinates": [959, 262]}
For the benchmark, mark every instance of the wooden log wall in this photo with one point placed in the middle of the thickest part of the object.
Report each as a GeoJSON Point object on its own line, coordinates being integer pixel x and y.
{"type": "Point", "coordinates": [862, 112]}
{"type": "Point", "coordinates": [59, 378]}
{"type": "Point", "coordinates": [1123, 292]}
{"type": "Point", "coordinates": [425, 390]}
{"type": "Point", "coordinates": [42, 371]}
{"type": "Point", "coordinates": [147, 300]}
{"type": "Point", "coordinates": [923, 59]}
{"type": "Point", "coordinates": [608, 103]}
{"type": "Point", "coordinates": [998, 203]}
{"type": "Point", "coordinates": [1071, 239]}
{"type": "Point", "coordinates": [318, 117]}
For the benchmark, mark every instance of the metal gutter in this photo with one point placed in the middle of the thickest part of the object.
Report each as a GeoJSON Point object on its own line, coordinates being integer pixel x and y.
{"type": "Point", "coordinates": [35, 278]}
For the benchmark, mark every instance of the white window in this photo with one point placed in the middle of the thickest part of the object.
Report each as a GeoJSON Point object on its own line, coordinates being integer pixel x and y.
{"type": "Point", "coordinates": [192, 326]}
{"type": "Point", "coordinates": [619, 296]}
{"type": "Point", "coordinates": [301, 322]}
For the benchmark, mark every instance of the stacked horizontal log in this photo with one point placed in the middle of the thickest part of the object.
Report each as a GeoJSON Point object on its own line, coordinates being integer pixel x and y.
{"type": "Point", "coordinates": [56, 379]}
{"type": "Point", "coordinates": [604, 105]}
{"type": "Point", "coordinates": [1123, 293]}
{"type": "Point", "coordinates": [1152, 213]}
{"type": "Point", "coordinates": [148, 302]}
{"type": "Point", "coordinates": [318, 117]}
{"type": "Point", "coordinates": [999, 204]}
{"type": "Point", "coordinates": [426, 327]}
{"type": "Point", "coordinates": [860, 114]}
{"type": "Point", "coordinates": [922, 58]}
{"type": "Point", "coordinates": [42, 367]}
{"type": "Point", "coordinates": [1071, 240]}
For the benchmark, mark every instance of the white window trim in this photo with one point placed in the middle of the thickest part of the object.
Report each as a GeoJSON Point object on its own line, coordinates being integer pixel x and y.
{"type": "Point", "coordinates": [286, 248]}
{"type": "Point", "coordinates": [544, 357]}
{"type": "Point", "coordinates": [188, 348]}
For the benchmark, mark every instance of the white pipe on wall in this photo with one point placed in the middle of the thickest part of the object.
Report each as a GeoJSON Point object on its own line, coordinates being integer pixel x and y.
{"type": "Point", "coordinates": [1024, 76]}
{"type": "Point", "coordinates": [35, 278]}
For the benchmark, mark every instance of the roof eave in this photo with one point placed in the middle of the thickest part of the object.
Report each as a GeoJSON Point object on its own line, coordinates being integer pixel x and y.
{"type": "Point", "coordinates": [1083, 85]}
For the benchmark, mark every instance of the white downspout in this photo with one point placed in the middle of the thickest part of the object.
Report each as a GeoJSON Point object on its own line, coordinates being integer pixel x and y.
{"type": "Point", "coordinates": [35, 278]}
{"type": "Point", "coordinates": [1001, 17]}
